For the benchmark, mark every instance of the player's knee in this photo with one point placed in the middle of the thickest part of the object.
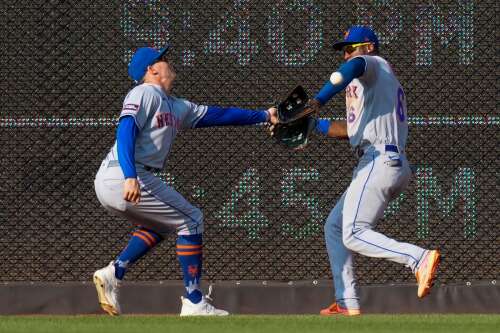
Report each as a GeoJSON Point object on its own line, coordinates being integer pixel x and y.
{"type": "Point", "coordinates": [193, 225]}
{"type": "Point", "coordinates": [198, 216]}
{"type": "Point", "coordinates": [108, 198]}
{"type": "Point", "coordinates": [113, 204]}
{"type": "Point", "coordinates": [198, 219]}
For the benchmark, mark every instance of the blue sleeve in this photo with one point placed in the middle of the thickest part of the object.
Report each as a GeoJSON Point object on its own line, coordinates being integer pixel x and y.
{"type": "Point", "coordinates": [219, 116]}
{"type": "Point", "coordinates": [322, 126]}
{"type": "Point", "coordinates": [350, 70]}
{"type": "Point", "coordinates": [125, 141]}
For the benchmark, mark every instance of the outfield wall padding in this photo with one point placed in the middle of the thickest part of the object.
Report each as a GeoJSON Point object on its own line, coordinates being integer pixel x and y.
{"type": "Point", "coordinates": [248, 297]}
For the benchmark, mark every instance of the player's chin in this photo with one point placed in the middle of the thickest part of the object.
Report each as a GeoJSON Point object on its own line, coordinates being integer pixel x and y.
{"type": "Point", "coordinates": [168, 87]}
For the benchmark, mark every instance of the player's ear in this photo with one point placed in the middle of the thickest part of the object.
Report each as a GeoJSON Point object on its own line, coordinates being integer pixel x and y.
{"type": "Point", "coordinates": [370, 48]}
{"type": "Point", "coordinates": [152, 70]}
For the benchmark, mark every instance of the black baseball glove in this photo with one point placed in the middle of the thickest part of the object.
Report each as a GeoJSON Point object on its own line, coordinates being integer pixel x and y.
{"type": "Point", "coordinates": [295, 119]}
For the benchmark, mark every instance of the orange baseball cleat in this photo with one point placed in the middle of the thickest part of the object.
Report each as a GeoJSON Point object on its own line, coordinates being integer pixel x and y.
{"type": "Point", "coordinates": [427, 272]}
{"type": "Point", "coordinates": [336, 309]}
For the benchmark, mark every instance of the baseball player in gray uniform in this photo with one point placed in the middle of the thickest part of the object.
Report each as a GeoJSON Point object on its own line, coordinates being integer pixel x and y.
{"type": "Point", "coordinates": [127, 186]}
{"type": "Point", "coordinates": [377, 129]}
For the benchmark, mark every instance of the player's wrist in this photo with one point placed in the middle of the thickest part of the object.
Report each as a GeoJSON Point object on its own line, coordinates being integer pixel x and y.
{"type": "Point", "coordinates": [268, 115]}
{"type": "Point", "coordinates": [315, 104]}
{"type": "Point", "coordinates": [322, 126]}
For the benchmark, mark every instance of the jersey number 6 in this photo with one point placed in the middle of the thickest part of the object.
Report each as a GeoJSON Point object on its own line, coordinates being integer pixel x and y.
{"type": "Point", "coordinates": [401, 108]}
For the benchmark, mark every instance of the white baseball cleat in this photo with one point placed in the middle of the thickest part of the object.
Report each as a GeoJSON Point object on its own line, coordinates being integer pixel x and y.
{"type": "Point", "coordinates": [203, 308]}
{"type": "Point", "coordinates": [107, 286]}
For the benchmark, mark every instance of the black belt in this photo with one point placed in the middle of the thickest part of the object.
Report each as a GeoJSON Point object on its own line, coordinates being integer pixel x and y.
{"type": "Point", "coordinates": [150, 169]}
{"type": "Point", "coordinates": [392, 148]}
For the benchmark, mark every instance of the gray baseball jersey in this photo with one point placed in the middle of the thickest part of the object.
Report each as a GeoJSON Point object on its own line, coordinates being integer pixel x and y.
{"type": "Point", "coordinates": [376, 106]}
{"type": "Point", "coordinates": [162, 209]}
{"type": "Point", "coordinates": [159, 117]}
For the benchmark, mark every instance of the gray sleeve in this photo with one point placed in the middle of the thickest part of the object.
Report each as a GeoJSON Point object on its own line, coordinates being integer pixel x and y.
{"type": "Point", "coordinates": [370, 73]}
{"type": "Point", "coordinates": [139, 103]}
{"type": "Point", "coordinates": [193, 114]}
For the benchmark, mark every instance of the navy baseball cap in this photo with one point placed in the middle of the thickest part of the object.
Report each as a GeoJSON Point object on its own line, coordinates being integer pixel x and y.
{"type": "Point", "coordinates": [357, 34]}
{"type": "Point", "coordinates": [142, 58]}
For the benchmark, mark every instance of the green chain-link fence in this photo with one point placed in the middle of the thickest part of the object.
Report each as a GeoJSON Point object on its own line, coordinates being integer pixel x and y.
{"type": "Point", "coordinates": [63, 79]}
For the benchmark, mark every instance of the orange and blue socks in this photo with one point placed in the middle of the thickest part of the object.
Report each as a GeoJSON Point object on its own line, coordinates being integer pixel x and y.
{"type": "Point", "coordinates": [140, 243]}
{"type": "Point", "coordinates": [189, 252]}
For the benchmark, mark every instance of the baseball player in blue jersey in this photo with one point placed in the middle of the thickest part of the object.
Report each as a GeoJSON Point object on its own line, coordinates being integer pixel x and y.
{"type": "Point", "coordinates": [377, 129]}
{"type": "Point", "coordinates": [127, 186]}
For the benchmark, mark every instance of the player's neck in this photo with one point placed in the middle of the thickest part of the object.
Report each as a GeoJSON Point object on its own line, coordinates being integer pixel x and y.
{"type": "Point", "coordinates": [158, 85]}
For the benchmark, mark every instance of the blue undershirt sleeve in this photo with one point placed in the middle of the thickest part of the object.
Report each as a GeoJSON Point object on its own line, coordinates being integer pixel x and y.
{"type": "Point", "coordinates": [125, 141]}
{"type": "Point", "coordinates": [350, 70]}
{"type": "Point", "coordinates": [232, 116]}
{"type": "Point", "coordinates": [322, 126]}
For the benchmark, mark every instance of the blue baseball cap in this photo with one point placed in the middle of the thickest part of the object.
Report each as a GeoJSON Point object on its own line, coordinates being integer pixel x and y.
{"type": "Point", "coordinates": [142, 58]}
{"type": "Point", "coordinates": [357, 34]}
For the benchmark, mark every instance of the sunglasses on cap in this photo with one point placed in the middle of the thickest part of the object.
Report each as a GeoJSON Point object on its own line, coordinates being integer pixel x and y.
{"type": "Point", "coordinates": [352, 47]}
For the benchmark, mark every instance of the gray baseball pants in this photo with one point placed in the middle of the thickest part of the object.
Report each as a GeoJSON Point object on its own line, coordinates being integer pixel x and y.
{"type": "Point", "coordinates": [379, 178]}
{"type": "Point", "coordinates": [161, 208]}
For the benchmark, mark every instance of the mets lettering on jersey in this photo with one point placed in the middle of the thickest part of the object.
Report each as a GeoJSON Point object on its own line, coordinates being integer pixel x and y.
{"type": "Point", "coordinates": [159, 117]}
{"type": "Point", "coordinates": [376, 106]}
{"type": "Point", "coordinates": [167, 119]}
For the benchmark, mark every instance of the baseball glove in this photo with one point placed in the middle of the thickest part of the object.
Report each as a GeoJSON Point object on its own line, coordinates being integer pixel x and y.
{"type": "Point", "coordinates": [295, 119]}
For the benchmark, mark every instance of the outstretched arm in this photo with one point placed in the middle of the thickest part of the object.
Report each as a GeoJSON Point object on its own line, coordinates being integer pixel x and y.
{"type": "Point", "coordinates": [233, 116]}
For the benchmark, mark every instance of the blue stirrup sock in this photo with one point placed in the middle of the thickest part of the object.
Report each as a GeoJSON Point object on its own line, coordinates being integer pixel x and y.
{"type": "Point", "coordinates": [140, 243]}
{"type": "Point", "coordinates": [189, 252]}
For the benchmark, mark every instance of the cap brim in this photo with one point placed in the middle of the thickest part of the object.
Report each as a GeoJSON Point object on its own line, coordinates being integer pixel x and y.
{"type": "Point", "coordinates": [162, 52]}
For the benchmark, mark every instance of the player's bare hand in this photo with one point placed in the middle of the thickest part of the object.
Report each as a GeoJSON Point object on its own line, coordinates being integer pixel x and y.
{"type": "Point", "coordinates": [273, 115]}
{"type": "Point", "coordinates": [132, 190]}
